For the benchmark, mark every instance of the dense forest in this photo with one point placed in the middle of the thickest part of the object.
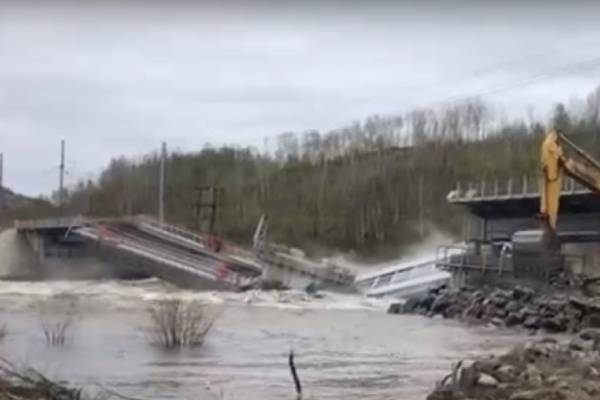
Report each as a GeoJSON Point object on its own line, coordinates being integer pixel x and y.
{"type": "Point", "coordinates": [380, 184]}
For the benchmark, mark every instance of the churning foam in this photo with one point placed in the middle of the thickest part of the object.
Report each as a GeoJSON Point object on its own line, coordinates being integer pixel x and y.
{"type": "Point", "coordinates": [115, 294]}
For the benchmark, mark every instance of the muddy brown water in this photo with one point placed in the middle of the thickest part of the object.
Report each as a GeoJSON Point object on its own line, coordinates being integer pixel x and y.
{"type": "Point", "coordinates": [346, 346]}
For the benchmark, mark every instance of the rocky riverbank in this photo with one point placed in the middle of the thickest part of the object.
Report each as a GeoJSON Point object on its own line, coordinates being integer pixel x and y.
{"type": "Point", "coordinates": [542, 370]}
{"type": "Point", "coordinates": [518, 307]}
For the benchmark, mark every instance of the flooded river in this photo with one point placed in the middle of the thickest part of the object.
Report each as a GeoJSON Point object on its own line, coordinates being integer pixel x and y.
{"type": "Point", "coordinates": [347, 347]}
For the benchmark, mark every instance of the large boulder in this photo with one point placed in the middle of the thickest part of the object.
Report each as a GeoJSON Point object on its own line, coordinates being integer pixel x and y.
{"type": "Point", "coordinates": [529, 310]}
{"type": "Point", "coordinates": [586, 306]}
{"type": "Point", "coordinates": [441, 303]}
{"type": "Point", "coordinates": [514, 318]}
{"type": "Point", "coordinates": [523, 294]}
{"type": "Point", "coordinates": [446, 394]}
{"type": "Point", "coordinates": [411, 305]}
{"type": "Point", "coordinates": [551, 307]}
{"type": "Point", "coordinates": [532, 322]}
{"type": "Point", "coordinates": [499, 298]}
{"type": "Point", "coordinates": [487, 380]}
{"type": "Point", "coordinates": [396, 308]}
{"type": "Point", "coordinates": [579, 344]}
{"type": "Point", "coordinates": [513, 306]}
{"type": "Point", "coordinates": [590, 334]}
{"type": "Point", "coordinates": [490, 311]}
{"type": "Point", "coordinates": [554, 324]}
{"type": "Point", "coordinates": [538, 394]}
{"type": "Point", "coordinates": [427, 301]}
{"type": "Point", "coordinates": [474, 311]}
{"type": "Point", "coordinates": [592, 320]}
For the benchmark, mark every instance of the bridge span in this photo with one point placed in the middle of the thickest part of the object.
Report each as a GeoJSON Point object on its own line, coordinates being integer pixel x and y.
{"type": "Point", "coordinates": [140, 246]}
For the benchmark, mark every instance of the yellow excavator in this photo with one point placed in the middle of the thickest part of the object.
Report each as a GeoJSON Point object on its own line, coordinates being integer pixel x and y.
{"type": "Point", "coordinates": [560, 156]}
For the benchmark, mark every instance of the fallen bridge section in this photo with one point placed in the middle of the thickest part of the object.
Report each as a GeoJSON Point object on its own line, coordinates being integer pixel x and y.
{"type": "Point", "coordinates": [140, 245]}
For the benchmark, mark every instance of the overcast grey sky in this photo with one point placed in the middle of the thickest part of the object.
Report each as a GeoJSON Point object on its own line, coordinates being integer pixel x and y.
{"type": "Point", "coordinates": [118, 78]}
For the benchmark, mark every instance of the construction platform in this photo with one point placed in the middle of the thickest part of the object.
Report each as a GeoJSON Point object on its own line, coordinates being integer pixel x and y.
{"type": "Point", "coordinates": [504, 207]}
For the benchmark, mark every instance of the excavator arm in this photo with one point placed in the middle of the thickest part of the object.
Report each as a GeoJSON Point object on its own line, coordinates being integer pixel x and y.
{"type": "Point", "coordinates": [560, 156]}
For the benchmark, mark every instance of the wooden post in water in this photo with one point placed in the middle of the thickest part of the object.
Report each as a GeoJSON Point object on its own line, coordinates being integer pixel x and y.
{"type": "Point", "coordinates": [297, 384]}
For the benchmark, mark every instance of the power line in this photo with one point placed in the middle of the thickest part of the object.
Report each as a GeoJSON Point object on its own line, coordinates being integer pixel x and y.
{"type": "Point", "coordinates": [549, 74]}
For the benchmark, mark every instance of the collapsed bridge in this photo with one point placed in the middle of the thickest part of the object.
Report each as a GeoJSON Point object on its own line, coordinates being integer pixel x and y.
{"type": "Point", "coordinates": [138, 246]}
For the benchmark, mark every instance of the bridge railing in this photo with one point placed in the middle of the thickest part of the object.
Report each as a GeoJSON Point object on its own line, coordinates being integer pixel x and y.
{"type": "Point", "coordinates": [198, 238]}
{"type": "Point", "coordinates": [49, 223]}
{"type": "Point", "coordinates": [169, 228]}
{"type": "Point", "coordinates": [513, 187]}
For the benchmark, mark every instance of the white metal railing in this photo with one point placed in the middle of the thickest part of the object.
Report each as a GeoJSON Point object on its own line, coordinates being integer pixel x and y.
{"type": "Point", "coordinates": [496, 189]}
{"type": "Point", "coordinates": [200, 239]}
{"type": "Point", "coordinates": [170, 228]}
{"type": "Point", "coordinates": [459, 257]}
{"type": "Point", "coordinates": [49, 223]}
{"type": "Point", "coordinates": [418, 271]}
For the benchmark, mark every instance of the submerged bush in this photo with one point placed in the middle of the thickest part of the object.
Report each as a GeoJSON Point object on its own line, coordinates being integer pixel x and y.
{"type": "Point", "coordinates": [175, 323]}
{"type": "Point", "coordinates": [58, 316]}
{"type": "Point", "coordinates": [56, 333]}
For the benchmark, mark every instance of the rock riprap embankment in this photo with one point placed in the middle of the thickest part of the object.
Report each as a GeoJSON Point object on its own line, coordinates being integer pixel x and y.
{"type": "Point", "coordinates": [541, 370]}
{"type": "Point", "coordinates": [518, 307]}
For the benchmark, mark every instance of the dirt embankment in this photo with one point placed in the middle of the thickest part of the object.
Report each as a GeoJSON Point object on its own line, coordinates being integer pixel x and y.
{"type": "Point", "coordinates": [542, 370]}
{"type": "Point", "coordinates": [518, 307]}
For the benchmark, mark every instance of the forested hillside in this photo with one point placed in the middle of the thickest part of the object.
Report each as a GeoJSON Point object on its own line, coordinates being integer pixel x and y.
{"type": "Point", "coordinates": [372, 185]}
{"type": "Point", "coordinates": [15, 206]}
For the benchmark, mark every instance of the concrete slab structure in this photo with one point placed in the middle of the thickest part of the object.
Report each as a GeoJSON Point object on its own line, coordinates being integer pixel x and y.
{"type": "Point", "coordinates": [496, 211]}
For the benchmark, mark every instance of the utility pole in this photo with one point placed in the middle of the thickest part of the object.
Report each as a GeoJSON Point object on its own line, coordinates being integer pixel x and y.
{"type": "Point", "coordinates": [421, 209]}
{"type": "Point", "coordinates": [213, 202]}
{"type": "Point", "coordinates": [215, 194]}
{"type": "Point", "coordinates": [1, 170]}
{"type": "Point", "coordinates": [161, 188]}
{"type": "Point", "coordinates": [1, 187]}
{"type": "Point", "coordinates": [61, 180]}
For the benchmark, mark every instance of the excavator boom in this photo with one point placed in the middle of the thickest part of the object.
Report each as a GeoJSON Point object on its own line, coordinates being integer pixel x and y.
{"type": "Point", "coordinates": [560, 156]}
